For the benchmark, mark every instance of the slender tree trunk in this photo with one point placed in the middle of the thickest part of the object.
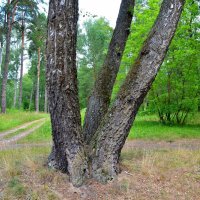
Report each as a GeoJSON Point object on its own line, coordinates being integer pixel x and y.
{"type": "Point", "coordinates": [1, 49]}
{"type": "Point", "coordinates": [37, 98]}
{"type": "Point", "coordinates": [45, 100]}
{"type": "Point", "coordinates": [68, 151]}
{"type": "Point", "coordinates": [168, 114]}
{"type": "Point", "coordinates": [31, 98]}
{"type": "Point", "coordinates": [15, 93]}
{"type": "Point", "coordinates": [45, 91]}
{"type": "Point", "coordinates": [116, 125]}
{"type": "Point", "coordinates": [22, 62]}
{"type": "Point", "coordinates": [1, 52]}
{"type": "Point", "coordinates": [100, 98]}
{"type": "Point", "coordinates": [10, 19]}
{"type": "Point", "coordinates": [7, 59]}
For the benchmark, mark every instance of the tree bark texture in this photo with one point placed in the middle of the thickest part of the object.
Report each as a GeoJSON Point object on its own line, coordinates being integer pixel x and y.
{"type": "Point", "coordinates": [10, 18]}
{"type": "Point", "coordinates": [116, 125]}
{"type": "Point", "coordinates": [68, 150]}
{"type": "Point", "coordinates": [1, 51]}
{"type": "Point", "coordinates": [22, 62]}
{"type": "Point", "coordinates": [45, 100]}
{"type": "Point", "coordinates": [15, 93]}
{"type": "Point", "coordinates": [99, 100]}
{"type": "Point", "coordinates": [31, 97]}
{"type": "Point", "coordinates": [7, 59]}
{"type": "Point", "coordinates": [37, 97]}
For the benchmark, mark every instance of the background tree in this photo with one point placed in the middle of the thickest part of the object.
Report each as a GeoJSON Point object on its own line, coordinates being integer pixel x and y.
{"type": "Point", "coordinates": [13, 9]}
{"type": "Point", "coordinates": [26, 11]}
{"type": "Point", "coordinates": [37, 36]}
{"type": "Point", "coordinates": [10, 10]}
{"type": "Point", "coordinates": [175, 92]}
{"type": "Point", "coordinates": [93, 40]}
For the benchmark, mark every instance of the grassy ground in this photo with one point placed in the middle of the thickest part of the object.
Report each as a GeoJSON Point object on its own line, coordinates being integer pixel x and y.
{"type": "Point", "coordinates": [149, 127]}
{"type": "Point", "coordinates": [169, 174]}
{"type": "Point", "coordinates": [15, 118]}
{"type": "Point", "coordinates": [146, 174]}
{"type": "Point", "coordinates": [144, 127]}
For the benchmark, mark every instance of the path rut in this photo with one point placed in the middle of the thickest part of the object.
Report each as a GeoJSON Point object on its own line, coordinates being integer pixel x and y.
{"type": "Point", "coordinates": [7, 132]}
{"type": "Point", "coordinates": [7, 142]}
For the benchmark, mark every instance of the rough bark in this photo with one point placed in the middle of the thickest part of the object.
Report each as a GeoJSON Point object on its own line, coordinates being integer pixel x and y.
{"type": "Point", "coordinates": [1, 50]}
{"type": "Point", "coordinates": [22, 62]}
{"type": "Point", "coordinates": [10, 18]}
{"type": "Point", "coordinates": [100, 98]}
{"type": "Point", "coordinates": [31, 97]}
{"type": "Point", "coordinates": [15, 93]}
{"type": "Point", "coordinates": [116, 125]}
{"type": "Point", "coordinates": [45, 100]}
{"type": "Point", "coordinates": [5, 67]}
{"type": "Point", "coordinates": [37, 97]}
{"type": "Point", "coordinates": [68, 151]}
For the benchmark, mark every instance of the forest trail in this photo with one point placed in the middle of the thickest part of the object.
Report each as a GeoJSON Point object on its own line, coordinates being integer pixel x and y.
{"type": "Point", "coordinates": [188, 144]}
{"type": "Point", "coordinates": [147, 145]}
{"type": "Point", "coordinates": [4, 143]}
{"type": "Point", "coordinates": [18, 128]}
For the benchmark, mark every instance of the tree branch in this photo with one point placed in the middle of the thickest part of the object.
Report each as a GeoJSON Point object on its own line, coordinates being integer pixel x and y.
{"type": "Point", "coordinates": [116, 125]}
{"type": "Point", "coordinates": [99, 100]}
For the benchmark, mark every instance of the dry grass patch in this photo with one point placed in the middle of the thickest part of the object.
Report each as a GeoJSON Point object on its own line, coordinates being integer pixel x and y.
{"type": "Point", "coordinates": [167, 174]}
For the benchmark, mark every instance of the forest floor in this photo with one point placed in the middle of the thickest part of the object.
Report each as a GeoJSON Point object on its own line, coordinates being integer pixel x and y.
{"type": "Point", "coordinates": [151, 169]}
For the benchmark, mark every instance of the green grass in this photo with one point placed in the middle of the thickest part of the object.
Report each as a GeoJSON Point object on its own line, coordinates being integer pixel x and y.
{"type": "Point", "coordinates": [15, 118]}
{"type": "Point", "coordinates": [145, 127]}
{"type": "Point", "coordinates": [149, 127]}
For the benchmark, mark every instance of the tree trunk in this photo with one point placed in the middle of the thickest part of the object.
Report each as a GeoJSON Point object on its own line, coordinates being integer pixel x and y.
{"type": "Point", "coordinates": [37, 98]}
{"type": "Point", "coordinates": [31, 97]}
{"type": "Point", "coordinates": [1, 52]}
{"type": "Point", "coordinates": [15, 93]}
{"type": "Point", "coordinates": [6, 64]}
{"type": "Point", "coordinates": [10, 19]}
{"type": "Point", "coordinates": [68, 151]}
{"type": "Point", "coordinates": [100, 98]}
{"type": "Point", "coordinates": [22, 63]}
{"type": "Point", "coordinates": [45, 100]}
{"type": "Point", "coordinates": [116, 125]}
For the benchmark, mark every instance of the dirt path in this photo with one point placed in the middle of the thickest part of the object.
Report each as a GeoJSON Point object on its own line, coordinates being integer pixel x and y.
{"type": "Point", "coordinates": [4, 143]}
{"type": "Point", "coordinates": [23, 126]}
{"type": "Point", "coordinates": [189, 144]}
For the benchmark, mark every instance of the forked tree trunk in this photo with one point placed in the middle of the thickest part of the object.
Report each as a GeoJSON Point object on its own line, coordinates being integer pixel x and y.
{"type": "Point", "coordinates": [116, 125]}
{"type": "Point", "coordinates": [37, 97]}
{"type": "Point", "coordinates": [100, 98]}
{"type": "Point", "coordinates": [22, 62]}
{"type": "Point", "coordinates": [68, 152]}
